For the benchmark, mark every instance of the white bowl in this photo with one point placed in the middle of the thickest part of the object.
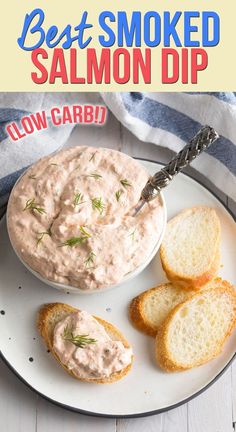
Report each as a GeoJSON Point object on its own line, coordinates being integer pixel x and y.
{"type": "Point", "coordinates": [127, 277]}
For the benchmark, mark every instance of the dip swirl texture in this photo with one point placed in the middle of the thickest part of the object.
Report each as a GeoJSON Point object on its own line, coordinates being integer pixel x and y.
{"type": "Point", "coordinates": [99, 359]}
{"type": "Point", "coordinates": [70, 217]}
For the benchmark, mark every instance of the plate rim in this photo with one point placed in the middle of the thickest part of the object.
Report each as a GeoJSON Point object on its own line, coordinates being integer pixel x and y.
{"type": "Point", "coordinates": [147, 413]}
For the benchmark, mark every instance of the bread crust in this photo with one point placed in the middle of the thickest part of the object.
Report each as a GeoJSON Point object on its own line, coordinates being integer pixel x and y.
{"type": "Point", "coordinates": [136, 311]}
{"type": "Point", "coordinates": [46, 322]}
{"type": "Point", "coordinates": [163, 356]}
{"type": "Point", "coordinates": [136, 308]}
{"type": "Point", "coordinates": [187, 281]}
{"type": "Point", "coordinates": [137, 316]}
{"type": "Point", "coordinates": [192, 283]}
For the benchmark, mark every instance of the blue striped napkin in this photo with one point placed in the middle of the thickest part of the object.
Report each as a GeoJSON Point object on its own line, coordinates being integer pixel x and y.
{"type": "Point", "coordinates": [167, 119]}
{"type": "Point", "coordinates": [171, 119]}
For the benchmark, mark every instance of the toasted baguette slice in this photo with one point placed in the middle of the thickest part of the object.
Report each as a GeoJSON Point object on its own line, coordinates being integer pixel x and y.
{"type": "Point", "coordinates": [50, 314]}
{"type": "Point", "coordinates": [196, 330]}
{"type": "Point", "coordinates": [190, 251]}
{"type": "Point", "coordinates": [149, 309]}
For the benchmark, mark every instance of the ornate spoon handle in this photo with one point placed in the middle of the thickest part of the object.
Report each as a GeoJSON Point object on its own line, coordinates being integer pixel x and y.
{"type": "Point", "coordinates": [200, 142]}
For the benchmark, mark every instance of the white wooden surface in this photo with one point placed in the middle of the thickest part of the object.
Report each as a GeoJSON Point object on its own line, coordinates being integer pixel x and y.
{"type": "Point", "coordinates": [21, 410]}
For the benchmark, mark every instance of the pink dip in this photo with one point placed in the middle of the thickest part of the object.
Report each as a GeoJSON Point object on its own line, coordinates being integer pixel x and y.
{"type": "Point", "coordinates": [96, 360]}
{"type": "Point", "coordinates": [83, 192]}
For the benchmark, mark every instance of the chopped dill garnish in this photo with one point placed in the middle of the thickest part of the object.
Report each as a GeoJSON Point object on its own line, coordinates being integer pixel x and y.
{"type": "Point", "coordinates": [90, 259]}
{"type": "Point", "coordinates": [79, 340]}
{"type": "Point", "coordinates": [94, 175]}
{"type": "Point", "coordinates": [92, 157]}
{"type": "Point", "coordinates": [125, 183]}
{"type": "Point", "coordinates": [78, 199]}
{"type": "Point", "coordinates": [98, 205]}
{"type": "Point", "coordinates": [53, 164]}
{"type": "Point", "coordinates": [32, 205]}
{"type": "Point", "coordinates": [74, 241]}
{"type": "Point", "coordinates": [42, 234]}
{"type": "Point", "coordinates": [118, 194]}
{"type": "Point", "coordinates": [86, 234]}
{"type": "Point", "coordinates": [32, 176]}
{"type": "Point", "coordinates": [132, 234]}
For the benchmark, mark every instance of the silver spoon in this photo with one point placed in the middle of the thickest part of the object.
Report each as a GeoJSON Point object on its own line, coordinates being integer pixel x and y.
{"type": "Point", "coordinates": [200, 142]}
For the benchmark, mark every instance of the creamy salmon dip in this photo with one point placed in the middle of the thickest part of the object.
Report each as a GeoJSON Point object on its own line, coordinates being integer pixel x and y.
{"type": "Point", "coordinates": [98, 357]}
{"type": "Point", "coordinates": [70, 217]}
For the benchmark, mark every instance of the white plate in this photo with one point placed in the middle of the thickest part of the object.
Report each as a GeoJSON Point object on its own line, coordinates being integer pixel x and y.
{"type": "Point", "coordinates": [146, 389]}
